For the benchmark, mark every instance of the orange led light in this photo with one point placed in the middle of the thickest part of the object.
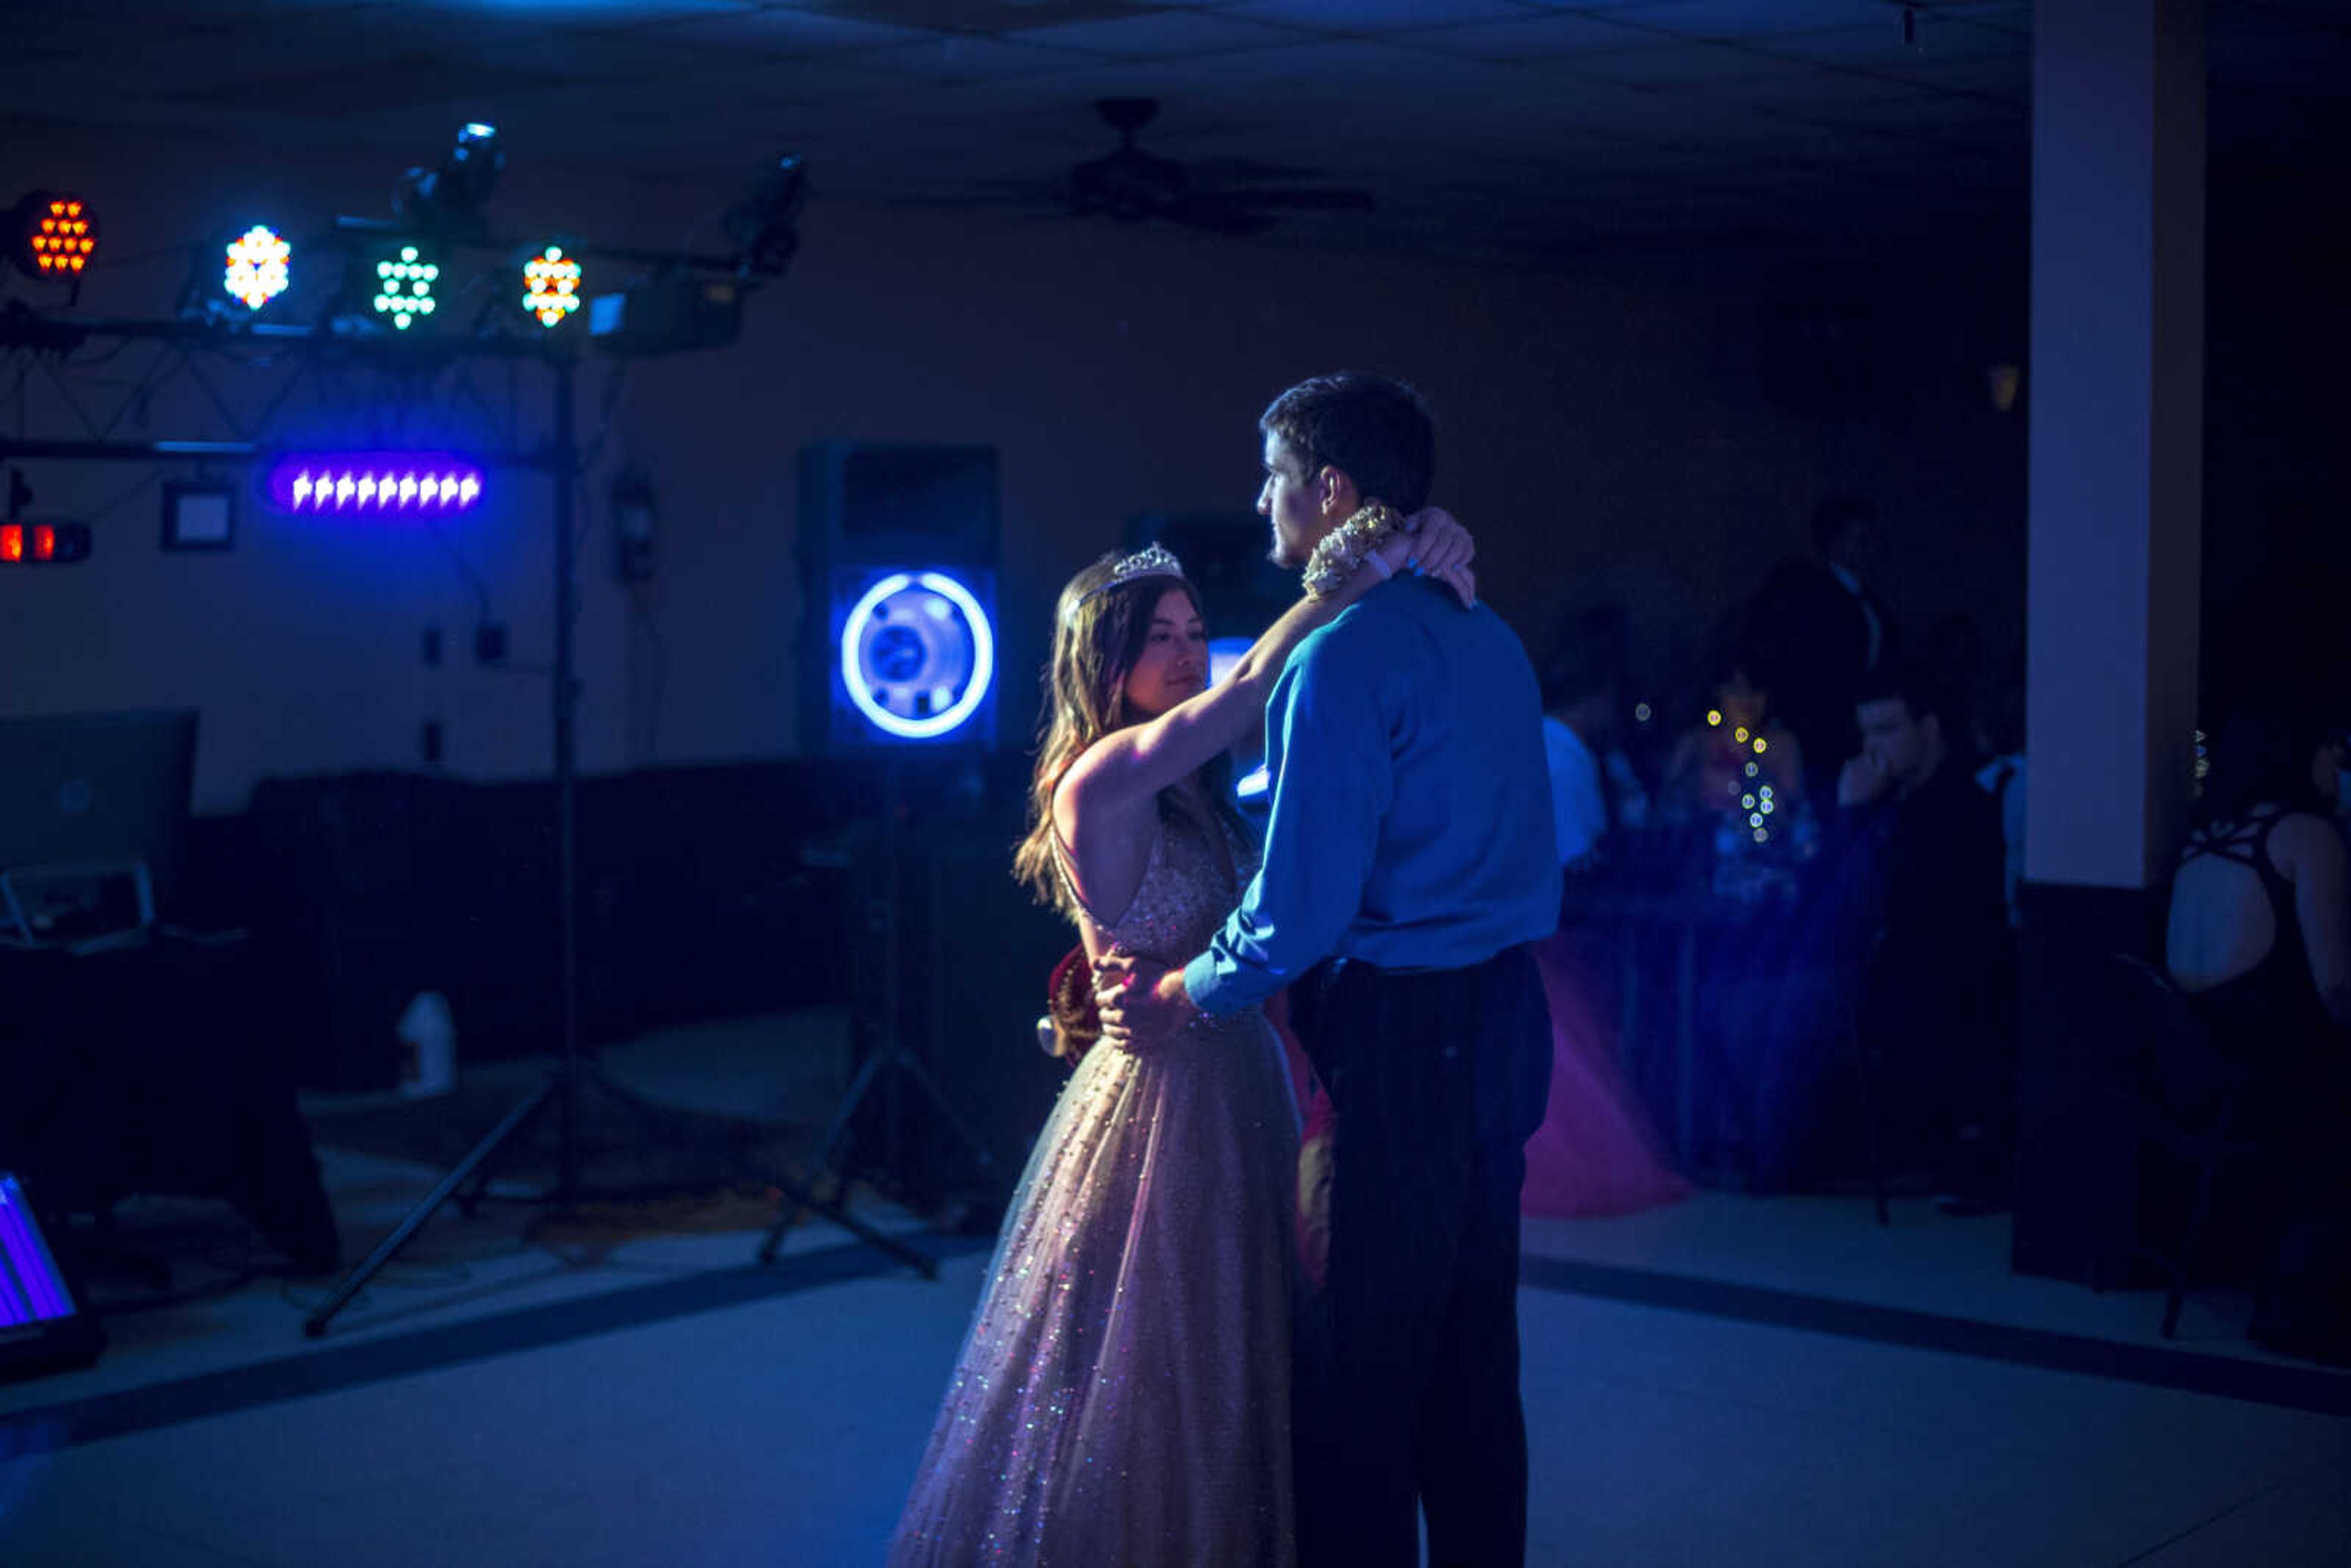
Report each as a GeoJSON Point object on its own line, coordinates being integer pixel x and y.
{"type": "Point", "coordinates": [12, 542]}
{"type": "Point", "coordinates": [56, 235]}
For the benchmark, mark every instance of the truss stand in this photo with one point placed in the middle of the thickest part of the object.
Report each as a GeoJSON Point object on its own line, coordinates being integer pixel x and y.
{"type": "Point", "coordinates": [575, 1072]}
{"type": "Point", "coordinates": [889, 1052]}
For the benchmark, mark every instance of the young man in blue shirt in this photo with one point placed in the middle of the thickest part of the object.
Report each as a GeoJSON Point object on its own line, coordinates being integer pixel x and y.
{"type": "Point", "coordinates": [1408, 861]}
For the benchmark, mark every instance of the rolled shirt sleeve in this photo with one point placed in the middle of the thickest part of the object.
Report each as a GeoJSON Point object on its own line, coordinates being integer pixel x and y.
{"type": "Point", "coordinates": [1328, 755]}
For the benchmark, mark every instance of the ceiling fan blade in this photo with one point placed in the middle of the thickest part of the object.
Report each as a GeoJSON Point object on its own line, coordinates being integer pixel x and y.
{"type": "Point", "coordinates": [1303, 199]}
{"type": "Point", "coordinates": [1001, 192]}
{"type": "Point", "coordinates": [1250, 172]}
{"type": "Point", "coordinates": [1214, 215]}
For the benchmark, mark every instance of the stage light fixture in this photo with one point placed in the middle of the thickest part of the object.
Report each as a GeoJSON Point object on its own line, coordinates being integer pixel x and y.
{"type": "Point", "coordinates": [56, 235]}
{"type": "Point", "coordinates": [43, 544]}
{"type": "Point", "coordinates": [374, 484]}
{"type": "Point", "coordinates": [450, 197]}
{"type": "Point", "coordinates": [258, 270]}
{"type": "Point", "coordinates": [761, 226]}
{"type": "Point", "coordinates": [404, 285]}
{"type": "Point", "coordinates": [918, 655]}
{"type": "Point", "coordinates": [551, 286]}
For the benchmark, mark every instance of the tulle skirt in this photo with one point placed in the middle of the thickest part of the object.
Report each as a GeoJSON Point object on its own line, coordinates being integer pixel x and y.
{"type": "Point", "coordinates": [1596, 1152]}
{"type": "Point", "coordinates": [1123, 1395]}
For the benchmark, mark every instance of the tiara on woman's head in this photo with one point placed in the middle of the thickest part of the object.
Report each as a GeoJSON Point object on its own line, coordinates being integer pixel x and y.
{"type": "Point", "coordinates": [1151, 560]}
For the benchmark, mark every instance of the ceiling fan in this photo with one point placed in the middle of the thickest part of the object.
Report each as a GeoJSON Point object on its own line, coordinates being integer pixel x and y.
{"type": "Point", "coordinates": [1223, 197]}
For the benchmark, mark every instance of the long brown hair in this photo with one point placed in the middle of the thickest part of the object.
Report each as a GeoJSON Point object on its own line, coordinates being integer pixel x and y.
{"type": "Point", "coordinates": [1099, 630]}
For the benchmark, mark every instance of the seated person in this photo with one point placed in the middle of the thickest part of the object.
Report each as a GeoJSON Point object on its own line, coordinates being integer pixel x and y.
{"type": "Point", "coordinates": [1916, 866]}
{"type": "Point", "coordinates": [1738, 754]}
{"type": "Point", "coordinates": [2259, 936]}
{"type": "Point", "coordinates": [1584, 699]}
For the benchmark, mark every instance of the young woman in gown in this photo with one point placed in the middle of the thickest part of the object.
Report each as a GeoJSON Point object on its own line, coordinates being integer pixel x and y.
{"type": "Point", "coordinates": [1122, 1397]}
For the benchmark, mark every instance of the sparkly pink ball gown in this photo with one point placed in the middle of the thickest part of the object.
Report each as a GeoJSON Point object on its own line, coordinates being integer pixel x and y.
{"type": "Point", "coordinates": [1595, 1151]}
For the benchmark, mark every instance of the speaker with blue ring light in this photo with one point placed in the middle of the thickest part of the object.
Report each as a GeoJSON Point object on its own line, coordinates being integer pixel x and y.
{"type": "Point", "coordinates": [898, 544]}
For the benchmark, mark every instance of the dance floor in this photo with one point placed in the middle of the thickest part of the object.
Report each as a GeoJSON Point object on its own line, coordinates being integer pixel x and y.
{"type": "Point", "coordinates": [1737, 1381]}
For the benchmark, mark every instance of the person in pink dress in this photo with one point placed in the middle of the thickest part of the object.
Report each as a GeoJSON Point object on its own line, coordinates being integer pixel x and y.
{"type": "Point", "coordinates": [1596, 1152]}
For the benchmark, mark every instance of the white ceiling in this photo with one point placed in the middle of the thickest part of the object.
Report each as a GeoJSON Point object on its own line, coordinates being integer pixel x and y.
{"type": "Point", "coordinates": [1534, 132]}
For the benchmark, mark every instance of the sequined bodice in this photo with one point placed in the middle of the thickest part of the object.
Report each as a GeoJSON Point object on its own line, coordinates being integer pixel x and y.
{"type": "Point", "coordinates": [1184, 897]}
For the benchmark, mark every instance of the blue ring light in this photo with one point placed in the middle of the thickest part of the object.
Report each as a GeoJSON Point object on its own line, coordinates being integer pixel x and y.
{"type": "Point", "coordinates": [917, 655]}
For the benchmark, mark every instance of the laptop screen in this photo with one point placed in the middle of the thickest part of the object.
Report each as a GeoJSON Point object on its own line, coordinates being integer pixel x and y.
{"type": "Point", "coordinates": [76, 788]}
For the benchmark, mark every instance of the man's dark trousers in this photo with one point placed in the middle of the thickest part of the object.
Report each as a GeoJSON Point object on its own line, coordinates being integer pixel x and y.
{"type": "Point", "coordinates": [1407, 1357]}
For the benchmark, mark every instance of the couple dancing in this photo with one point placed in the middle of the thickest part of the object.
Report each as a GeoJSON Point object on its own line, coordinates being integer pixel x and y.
{"type": "Point", "coordinates": [1155, 1376]}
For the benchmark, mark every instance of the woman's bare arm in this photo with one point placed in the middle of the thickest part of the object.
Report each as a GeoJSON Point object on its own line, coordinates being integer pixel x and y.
{"type": "Point", "coordinates": [1137, 762]}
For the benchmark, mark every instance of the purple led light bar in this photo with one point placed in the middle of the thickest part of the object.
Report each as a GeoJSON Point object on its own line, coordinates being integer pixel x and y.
{"type": "Point", "coordinates": [30, 1287]}
{"type": "Point", "coordinates": [375, 484]}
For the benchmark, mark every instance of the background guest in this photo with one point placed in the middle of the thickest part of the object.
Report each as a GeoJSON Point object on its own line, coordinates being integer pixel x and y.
{"type": "Point", "coordinates": [1583, 703]}
{"type": "Point", "coordinates": [1819, 632]}
{"type": "Point", "coordinates": [2259, 936]}
{"type": "Point", "coordinates": [1918, 860]}
{"type": "Point", "coordinates": [1737, 753]}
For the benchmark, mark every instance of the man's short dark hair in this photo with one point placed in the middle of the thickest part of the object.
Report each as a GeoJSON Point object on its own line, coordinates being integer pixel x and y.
{"type": "Point", "coordinates": [1914, 688]}
{"type": "Point", "coordinates": [1834, 514]}
{"type": "Point", "coordinates": [1376, 431]}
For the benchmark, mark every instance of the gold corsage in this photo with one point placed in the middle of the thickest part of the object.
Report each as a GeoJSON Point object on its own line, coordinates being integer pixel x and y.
{"type": "Point", "coordinates": [1345, 548]}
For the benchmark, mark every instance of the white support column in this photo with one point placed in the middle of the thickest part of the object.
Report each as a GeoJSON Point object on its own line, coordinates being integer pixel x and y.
{"type": "Point", "coordinates": [2116, 379]}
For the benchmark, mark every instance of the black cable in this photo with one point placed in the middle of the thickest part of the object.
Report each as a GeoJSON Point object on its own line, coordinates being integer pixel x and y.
{"type": "Point", "coordinates": [465, 569]}
{"type": "Point", "coordinates": [140, 389]}
{"type": "Point", "coordinates": [606, 408]}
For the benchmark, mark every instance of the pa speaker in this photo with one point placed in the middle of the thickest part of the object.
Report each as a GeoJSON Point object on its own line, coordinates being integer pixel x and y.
{"type": "Point", "coordinates": [911, 660]}
{"type": "Point", "coordinates": [43, 1323]}
{"type": "Point", "coordinates": [897, 503]}
{"type": "Point", "coordinates": [898, 548]}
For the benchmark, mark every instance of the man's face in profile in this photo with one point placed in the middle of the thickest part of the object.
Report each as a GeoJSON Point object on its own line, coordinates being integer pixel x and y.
{"type": "Point", "coordinates": [1289, 498]}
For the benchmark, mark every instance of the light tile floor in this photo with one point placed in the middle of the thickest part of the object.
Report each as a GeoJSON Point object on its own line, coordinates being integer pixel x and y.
{"type": "Point", "coordinates": [783, 1429]}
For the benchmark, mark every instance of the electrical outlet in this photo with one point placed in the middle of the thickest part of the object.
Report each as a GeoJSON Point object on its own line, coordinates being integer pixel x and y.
{"type": "Point", "coordinates": [490, 642]}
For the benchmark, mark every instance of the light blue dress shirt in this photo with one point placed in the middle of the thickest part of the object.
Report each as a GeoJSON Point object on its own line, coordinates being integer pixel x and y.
{"type": "Point", "coordinates": [1411, 816]}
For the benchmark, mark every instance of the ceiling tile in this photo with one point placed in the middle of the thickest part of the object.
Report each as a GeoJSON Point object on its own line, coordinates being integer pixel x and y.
{"type": "Point", "coordinates": [948, 57]}
{"type": "Point", "coordinates": [785, 34]}
{"type": "Point", "coordinates": [2006, 81]}
{"type": "Point", "coordinates": [1677, 64]}
{"type": "Point", "coordinates": [1159, 35]}
{"type": "Point", "coordinates": [1810, 90]}
{"type": "Point", "coordinates": [1937, 41]}
{"type": "Point", "coordinates": [1530, 39]}
{"type": "Point", "coordinates": [1359, 17]}
{"type": "Point", "coordinates": [1752, 18]}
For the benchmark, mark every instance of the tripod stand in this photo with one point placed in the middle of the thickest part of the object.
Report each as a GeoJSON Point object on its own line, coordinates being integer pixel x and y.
{"type": "Point", "coordinates": [888, 1051]}
{"type": "Point", "coordinates": [575, 1074]}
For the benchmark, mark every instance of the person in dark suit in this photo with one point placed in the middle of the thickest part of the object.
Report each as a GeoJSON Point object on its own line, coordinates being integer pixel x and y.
{"type": "Point", "coordinates": [1819, 632]}
{"type": "Point", "coordinates": [1919, 865]}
